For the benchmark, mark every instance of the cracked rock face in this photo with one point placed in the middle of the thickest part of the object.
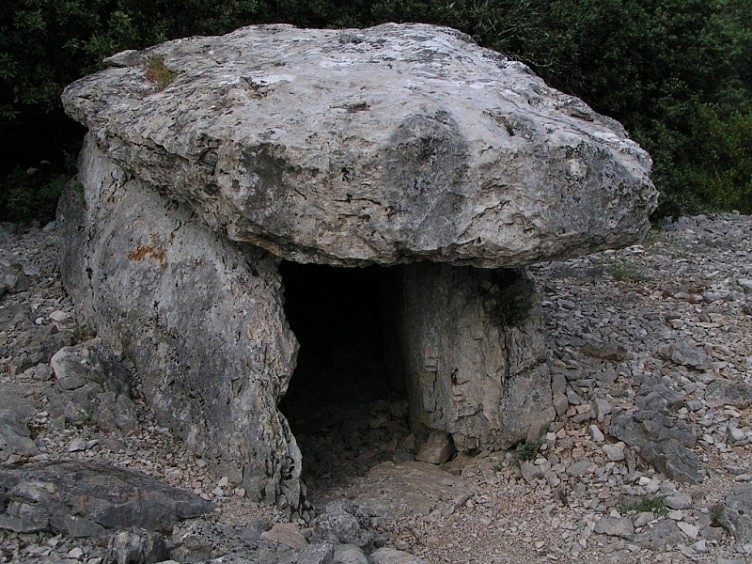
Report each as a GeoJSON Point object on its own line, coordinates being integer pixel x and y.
{"type": "Point", "coordinates": [394, 144]}
{"type": "Point", "coordinates": [201, 320]}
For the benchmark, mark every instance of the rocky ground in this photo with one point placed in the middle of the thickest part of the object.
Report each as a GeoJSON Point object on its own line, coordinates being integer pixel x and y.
{"type": "Point", "coordinates": [649, 460]}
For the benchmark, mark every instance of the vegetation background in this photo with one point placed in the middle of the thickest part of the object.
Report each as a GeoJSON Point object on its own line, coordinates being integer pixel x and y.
{"type": "Point", "coordinates": [676, 73]}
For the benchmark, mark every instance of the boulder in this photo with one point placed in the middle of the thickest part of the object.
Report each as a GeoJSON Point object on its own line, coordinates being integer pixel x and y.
{"type": "Point", "coordinates": [138, 546]}
{"type": "Point", "coordinates": [401, 146]}
{"type": "Point", "coordinates": [285, 533]}
{"type": "Point", "coordinates": [722, 391]}
{"type": "Point", "coordinates": [343, 522]}
{"type": "Point", "coordinates": [735, 513]}
{"type": "Point", "coordinates": [659, 535]}
{"type": "Point", "coordinates": [89, 500]}
{"type": "Point", "coordinates": [93, 388]}
{"type": "Point", "coordinates": [675, 460]}
{"type": "Point", "coordinates": [437, 449]}
{"type": "Point", "coordinates": [664, 442]}
{"type": "Point", "coordinates": [16, 412]}
{"type": "Point", "coordinates": [393, 144]}
{"type": "Point", "coordinates": [200, 318]}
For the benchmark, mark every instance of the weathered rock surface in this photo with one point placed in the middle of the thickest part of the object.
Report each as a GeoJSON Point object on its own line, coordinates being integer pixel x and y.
{"type": "Point", "coordinates": [82, 500]}
{"type": "Point", "coordinates": [12, 279]}
{"type": "Point", "coordinates": [437, 449]}
{"type": "Point", "coordinates": [136, 547]}
{"type": "Point", "coordinates": [287, 534]}
{"type": "Point", "coordinates": [345, 523]}
{"type": "Point", "coordinates": [735, 513]}
{"type": "Point", "coordinates": [665, 442]}
{"type": "Point", "coordinates": [658, 535]}
{"type": "Point", "coordinates": [95, 388]}
{"type": "Point", "coordinates": [408, 488]}
{"type": "Point", "coordinates": [393, 144]}
{"type": "Point", "coordinates": [201, 320]}
{"type": "Point", "coordinates": [469, 341]}
{"type": "Point", "coordinates": [15, 436]}
{"type": "Point", "coordinates": [722, 392]}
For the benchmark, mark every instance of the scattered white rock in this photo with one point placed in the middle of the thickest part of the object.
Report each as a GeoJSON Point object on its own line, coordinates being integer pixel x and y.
{"type": "Point", "coordinates": [597, 434]}
{"type": "Point", "coordinates": [77, 445]}
{"type": "Point", "coordinates": [615, 452]}
{"type": "Point", "coordinates": [688, 529]}
{"type": "Point", "coordinates": [563, 514]}
{"type": "Point", "coordinates": [60, 316]}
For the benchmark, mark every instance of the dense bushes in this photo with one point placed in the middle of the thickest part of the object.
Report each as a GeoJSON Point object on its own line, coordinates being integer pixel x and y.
{"type": "Point", "coordinates": [675, 72]}
{"type": "Point", "coordinates": [46, 44]}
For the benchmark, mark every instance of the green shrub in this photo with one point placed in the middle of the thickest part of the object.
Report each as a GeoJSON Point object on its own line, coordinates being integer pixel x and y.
{"type": "Point", "coordinates": [719, 172]}
{"type": "Point", "coordinates": [628, 272]}
{"type": "Point", "coordinates": [527, 451]}
{"type": "Point", "coordinates": [646, 504]}
{"type": "Point", "coordinates": [675, 72]}
{"type": "Point", "coordinates": [30, 195]}
{"type": "Point", "coordinates": [157, 72]}
{"type": "Point", "coordinates": [81, 333]}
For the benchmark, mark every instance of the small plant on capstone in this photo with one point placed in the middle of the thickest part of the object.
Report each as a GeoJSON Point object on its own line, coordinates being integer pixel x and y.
{"type": "Point", "coordinates": [626, 272]}
{"type": "Point", "coordinates": [527, 451]}
{"type": "Point", "coordinates": [158, 72]}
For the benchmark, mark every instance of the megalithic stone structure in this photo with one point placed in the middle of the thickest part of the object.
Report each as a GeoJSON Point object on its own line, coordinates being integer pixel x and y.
{"type": "Point", "coordinates": [400, 145]}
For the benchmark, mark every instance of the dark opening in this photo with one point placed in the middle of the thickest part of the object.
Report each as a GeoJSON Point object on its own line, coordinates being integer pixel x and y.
{"type": "Point", "coordinates": [346, 412]}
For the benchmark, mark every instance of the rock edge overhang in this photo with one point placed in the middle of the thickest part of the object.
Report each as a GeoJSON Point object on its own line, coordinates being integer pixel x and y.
{"type": "Point", "coordinates": [387, 145]}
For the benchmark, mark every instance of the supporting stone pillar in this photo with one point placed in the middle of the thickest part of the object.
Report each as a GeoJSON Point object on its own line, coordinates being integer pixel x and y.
{"type": "Point", "coordinates": [201, 319]}
{"type": "Point", "coordinates": [466, 343]}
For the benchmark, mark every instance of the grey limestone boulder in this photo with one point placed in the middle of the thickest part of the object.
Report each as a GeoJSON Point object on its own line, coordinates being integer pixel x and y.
{"type": "Point", "coordinates": [387, 145]}
{"type": "Point", "coordinates": [16, 413]}
{"type": "Point", "coordinates": [201, 319]}
{"type": "Point", "coordinates": [735, 513]}
{"type": "Point", "coordinates": [94, 387]}
{"type": "Point", "coordinates": [89, 500]}
{"type": "Point", "coordinates": [137, 546]}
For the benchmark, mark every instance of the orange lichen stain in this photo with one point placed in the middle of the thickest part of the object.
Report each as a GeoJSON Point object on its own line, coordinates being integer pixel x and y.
{"type": "Point", "coordinates": [153, 252]}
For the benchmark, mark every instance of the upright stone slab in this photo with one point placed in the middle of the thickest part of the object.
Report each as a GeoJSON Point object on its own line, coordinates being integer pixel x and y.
{"type": "Point", "coordinates": [201, 319]}
{"type": "Point", "coordinates": [466, 342]}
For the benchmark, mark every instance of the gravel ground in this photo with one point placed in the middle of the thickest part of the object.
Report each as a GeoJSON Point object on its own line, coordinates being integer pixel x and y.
{"type": "Point", "coordinates": [666, 322]}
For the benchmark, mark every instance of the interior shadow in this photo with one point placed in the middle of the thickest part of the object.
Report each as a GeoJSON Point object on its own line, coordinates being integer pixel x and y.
{"type": "Point", "coordinates": [345, 411]}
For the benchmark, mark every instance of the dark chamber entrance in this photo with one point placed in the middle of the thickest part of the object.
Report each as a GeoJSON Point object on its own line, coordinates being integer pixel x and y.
{"type": "Point", "coordinates": [345, 412]}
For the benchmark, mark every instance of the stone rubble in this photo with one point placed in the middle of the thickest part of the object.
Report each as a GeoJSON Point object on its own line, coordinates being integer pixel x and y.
{"type": "Point", "coordinates": [649, 459]}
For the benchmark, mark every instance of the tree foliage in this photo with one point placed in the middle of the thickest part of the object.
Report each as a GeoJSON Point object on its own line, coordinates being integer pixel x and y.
{"type": "Point", "coordinates": [675, 72]}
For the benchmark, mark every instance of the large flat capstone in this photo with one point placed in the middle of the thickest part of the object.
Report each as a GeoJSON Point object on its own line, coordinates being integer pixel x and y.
{"type": "Point", "coordinates": [393, 144]}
